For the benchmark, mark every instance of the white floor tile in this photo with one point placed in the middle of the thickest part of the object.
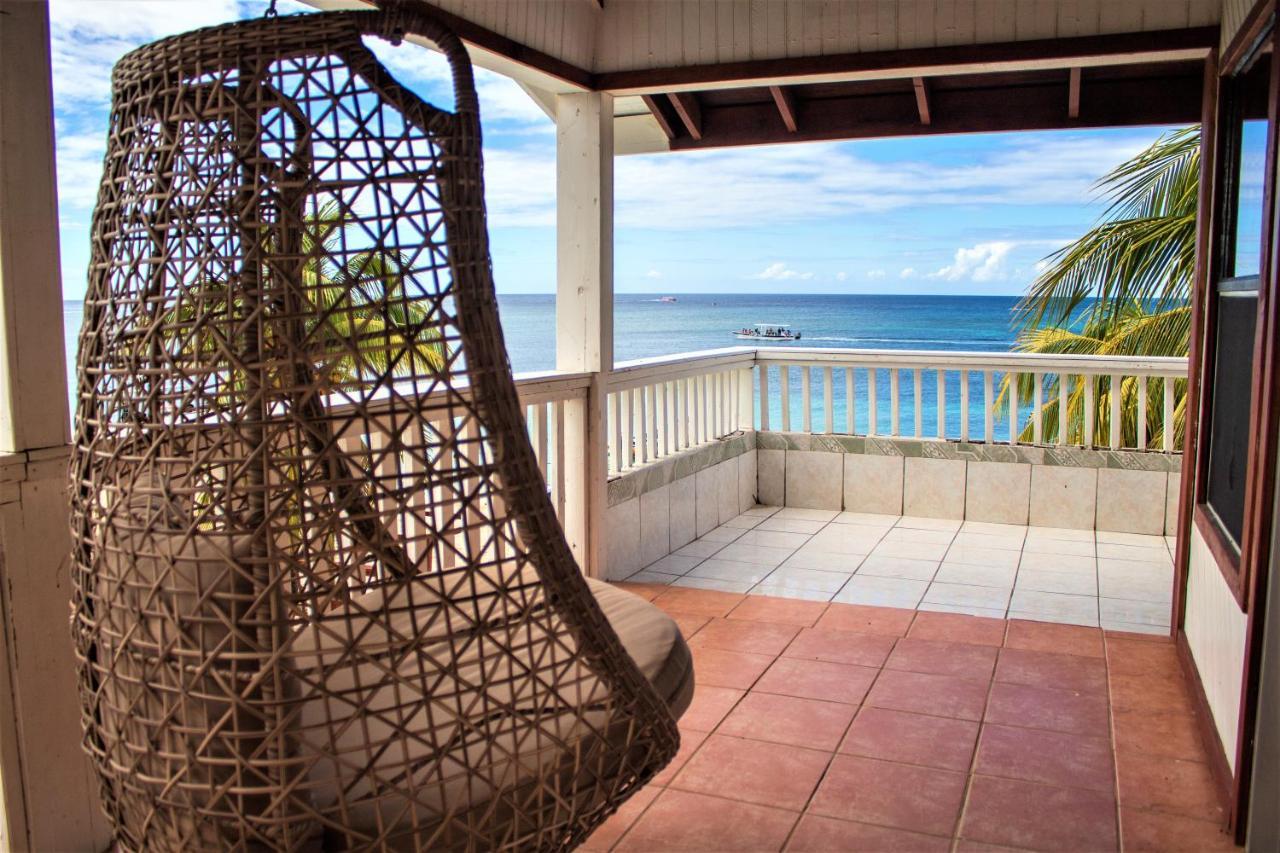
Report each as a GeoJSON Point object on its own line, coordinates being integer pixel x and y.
{"type": "Point", "coordinates": [773, 539]}
{"type": "Point", "coordinates": [1080, 609]}
{"type": "Point", "coordinates": [646, 576]}
{"type": "Point", "coordinates": [714, 583]}
{"type": "Point", "coordinates": [829, 582]}
{"type": "Point", "coordinates": [792, 525]}
{"type": "Point", "coordinates": [1059, 534]}
{"type": "Point", "coordinates": [912, 535]}
{"type": "Point", "coordinates": [999, 531]}
{"type": "Point", "coordinates": [961, 608]}
{"type": "Point", "coordinates": [1134, 612]}
{"type": "Point", "coordinates": [919, 522]}
{"type": "Point", "coordinates": [724, 533]}
{"type": "Point", "coordinates": [1076, 563]}
{"type": "Point", "coordinates": [982, 556]}
{"type": "Point", "coordinates": [806, 514]}
{"type": "Point", "coordinates": [744, 521]}
{"type": "Point", "coordinates": [1136, 628]}
{"type": "Point", "coordinates": [1090, 621]}
{"type": "Point", "coordinates": [1156, 590]}
{"type": "Point", "coordinates": [762, 511]}
{"type": "Point", "coordinates": [1139, 540]}
{"type": "Point", "coordinates": [673, 564]}
{"type": "Point", "coordinates": [867, 519]}
{"type": "Point", "coordinates": [1074, 547]}
{"type": "Point", "coordinates": [968, 573]}
{"type": "Point", "coordinates": [700, 548]}
{"type": "Point", "coordinates": [759, 554]}
{"type": "Point", "coordinates": [898, 567]}
{"type": "Point", "coordinates": [824, 562]}
{"type": "Point", "coordinates": [1070, 583]}
{"type": "Point", "coordinates": [843, 540]}
{"type": "Point", "coordinates": [981, 540]}
{"type": "Point", "coordinates": [911, 550]}
{"type": "Point", "coordinates": [992, 597]}
{"type": "Point", "coordinates": [1133, 552]}
{"type": "Point", "coordinates": [885, 592]}
{"type": "Point", "coordinates": [765, 588]}
{"type": "Point", "coordinates": [730, 570]}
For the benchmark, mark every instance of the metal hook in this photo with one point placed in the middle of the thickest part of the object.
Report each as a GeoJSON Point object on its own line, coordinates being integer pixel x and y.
{"type": "Point", "coordinates": [271, 10]}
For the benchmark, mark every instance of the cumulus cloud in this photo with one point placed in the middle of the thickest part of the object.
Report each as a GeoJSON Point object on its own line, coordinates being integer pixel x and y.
{"type": "Point", "coordinates": [907, 272]}
{"type": "Point", "coordinates": [779, 271]}
{"type": "Point", "coordinates": [875, 273]}
{"type": "Point", "coordinates": [983, 262]}
{"type": "Point", "coordinates": [842, 275]}
{"type": "Point", "coordinates": [653, 274]}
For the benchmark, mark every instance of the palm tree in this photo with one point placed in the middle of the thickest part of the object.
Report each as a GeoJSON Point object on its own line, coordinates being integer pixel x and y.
{"type": "Point", "coordinates": [1121, 289]}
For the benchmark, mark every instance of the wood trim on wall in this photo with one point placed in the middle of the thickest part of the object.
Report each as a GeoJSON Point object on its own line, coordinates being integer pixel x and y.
{"type": "Point", "coordinates": [1213, 747]}
{"type": "Point", "coordinates": [1246, 37]}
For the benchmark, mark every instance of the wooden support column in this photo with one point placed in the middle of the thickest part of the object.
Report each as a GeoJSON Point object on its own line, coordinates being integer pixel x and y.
{"type": "Point", "coordinates": [50, 795]}
{"type": "Point", "coordinates": [584, 309]}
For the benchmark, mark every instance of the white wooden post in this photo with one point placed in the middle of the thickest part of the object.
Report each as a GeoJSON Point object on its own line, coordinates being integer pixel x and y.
{"type": "Point", "coordinates": [584, 308]}
{"type": "Point", "coordinates": [50, 797]}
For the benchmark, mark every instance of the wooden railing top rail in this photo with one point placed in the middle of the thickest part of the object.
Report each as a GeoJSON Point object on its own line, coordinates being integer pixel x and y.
{"type": "Point", "coordinates": [642, 371]}
{"type": "Point", "coordinates": [951, 360]}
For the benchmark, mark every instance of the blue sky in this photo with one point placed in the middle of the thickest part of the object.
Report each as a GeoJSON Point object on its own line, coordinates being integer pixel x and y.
{"type": "Point", "coordinates": [962, 214]}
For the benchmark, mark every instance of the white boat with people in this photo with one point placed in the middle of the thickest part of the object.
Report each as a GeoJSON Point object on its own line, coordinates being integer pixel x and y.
{"type": "Point", "coordinates": [767, 331]}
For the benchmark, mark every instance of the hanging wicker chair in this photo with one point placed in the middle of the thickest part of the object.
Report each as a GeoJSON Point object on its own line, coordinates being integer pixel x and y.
{"type": "Point", "coordinates": [321, 596]}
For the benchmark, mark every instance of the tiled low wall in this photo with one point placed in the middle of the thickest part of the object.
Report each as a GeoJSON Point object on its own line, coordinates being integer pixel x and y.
{"type": "Point", "coordinates": [1126, 491]}
{"type": "Point", "coordinates": [666, 505]}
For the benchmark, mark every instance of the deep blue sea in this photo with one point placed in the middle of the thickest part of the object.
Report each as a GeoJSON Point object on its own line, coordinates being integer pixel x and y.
{"type": "Point", "coordinates": [644, 326]}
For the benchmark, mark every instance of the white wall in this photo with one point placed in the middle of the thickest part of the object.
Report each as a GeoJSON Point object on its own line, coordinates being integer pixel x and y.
{"type": "Point", "coordinates": [1215, 628]}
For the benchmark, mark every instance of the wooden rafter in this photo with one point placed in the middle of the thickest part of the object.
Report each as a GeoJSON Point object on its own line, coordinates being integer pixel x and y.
{"type": "Point", "coordinates": [690, 112]}
{"type": "Point", "coordinates": [922, 99]}
{"type": "Point", "coordinates": [786, 106]}
{"type": "Point", "coordinates": [655, 103]}
{"type": "Point", "coordinates": [1073, 94]}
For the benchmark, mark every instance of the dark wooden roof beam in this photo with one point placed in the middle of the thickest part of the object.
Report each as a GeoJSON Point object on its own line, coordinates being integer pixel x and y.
{"type": "Point", "coordinates": [922, 99]}
{"type": "Point", "coordinates": [1073, 94]}
{"type": "Point", "coordinates": [690, 112]}
{"type": "Point", "coordinates": [786, 104]}
{"type": "Point", "coordinates": [658, 107]}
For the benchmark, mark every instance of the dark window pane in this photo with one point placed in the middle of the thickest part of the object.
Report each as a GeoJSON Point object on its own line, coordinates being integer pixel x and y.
{"type": "Point", "coordinates": [1230, 397]}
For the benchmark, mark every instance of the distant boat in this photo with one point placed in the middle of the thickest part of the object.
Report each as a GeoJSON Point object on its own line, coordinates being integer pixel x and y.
{"type": "Point", "coordinates": [767, 332]}
{"type": "Point", "coordinates": [666, 299]}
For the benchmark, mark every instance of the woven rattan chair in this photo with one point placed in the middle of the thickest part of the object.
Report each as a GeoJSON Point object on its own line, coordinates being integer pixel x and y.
{"type": "Point", "coordinates": [321, 596]}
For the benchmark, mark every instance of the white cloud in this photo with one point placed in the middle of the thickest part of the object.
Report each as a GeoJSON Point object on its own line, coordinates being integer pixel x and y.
{"type": "Point", "coordinates": [875, 273]}
{"type": "Point", "coordinates": [653, 274]}
{"type": "Point", "coordinates": [779, 271]}
{"type": "Point", "coordinates": [842, 275]}
{"type": "Point", "coordinates": [907, 272]}
{"type": "Point", "coordinates": [983, 262]}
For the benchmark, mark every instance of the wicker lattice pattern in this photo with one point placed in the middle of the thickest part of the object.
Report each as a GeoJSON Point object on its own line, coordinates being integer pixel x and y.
{"type": "Point", "coordinates": [321, 597]}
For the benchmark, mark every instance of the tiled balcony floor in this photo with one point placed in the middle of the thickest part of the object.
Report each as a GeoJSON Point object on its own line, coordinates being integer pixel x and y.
{"type": "Point", "coordinates": [821, 726]}
{"type": "Point", "coordinates": [1119, 581]}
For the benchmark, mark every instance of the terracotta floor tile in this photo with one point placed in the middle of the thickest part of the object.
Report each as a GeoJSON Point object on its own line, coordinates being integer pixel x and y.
{"type": "Point", "coordinates": [1054, 758]}
{"type": "Point", "coordinates": [761, 638]}
{"type": "Point", "coordinates": [1148, 832]}
{"type": "Point", "coordinates": [690, 740]}
{"type": "Point", "coordinates": [689, 625]}
{"type": "Point", "coordinates": [816, 679]}
{"type": "Point", "coordinates": [841, 647]}
{"type": "Point", "coordinates": [922, 799]}
{"type": "Point", "coordinates": [1131, 635]}
{"type": "Point", "coordinates": [962, 660]}
{"type": "Point", "coordinates": [770, 774]}
{"type": "Point", "coordinates": [817, 834]}
{"type": "Point", "coordinates": [785, 611]}
{"type": "Point", "coordinates": [1154, 694]}
{"type": "Point", "coordinates": [710, 705]}
{"type": "Point", "coordinates": [647, 591]}
{"type": "Point", "coordinates": [790, 720]}
{"type": "Point", "coordinates": [720, 668]}
{"type": "Point", "coordinates": [1045, 708]}
{"type": "Point", "coordinates": [865, 619]}
{"type": "Point", "coordinates": [921, 693]}
{"type": "Point", "coordinates": [1135, 657]}
{"type": "Point", "coordinates": [1039, 817]}
{"type": "Point", "coordinates": [966, 845]}
{"type": "Point", "coordinates": [958, 628]}
{"type": "Point", "coordinates": [1051, 637]}
{"type": "Point", "coordinates": [680, 820]}
{"type": "Point", "coordinates": [608, 833]}
{"type": "Point", "coordinates": [1047, 669]}
{"type": "Point", "coordinates": [1168, 785]}
{"type": "Point", "coordinates": [1170, 735]}
{"type": "Point", "coordinates": [697, 602]}
{"type": "Point", "coordinates": [911, 738]}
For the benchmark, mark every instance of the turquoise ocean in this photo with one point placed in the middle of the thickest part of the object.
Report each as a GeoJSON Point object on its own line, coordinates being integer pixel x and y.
{"type": "Point", "coordinates": [644, 326]}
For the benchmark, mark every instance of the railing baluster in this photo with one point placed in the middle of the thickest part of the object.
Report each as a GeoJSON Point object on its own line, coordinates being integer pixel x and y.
{"type": "Point", "coordinates": [828, 405]}
{"type": "Point", "coordinates": [558, 451]}
{"type": "Point", "coordinates": [764, 397]}
{"type": "Point", "coordinates": [638, 411]}
{"type": "Point", "coordinates": [964, 405]}
{"type": "Point", "coordinates": [655, 421]}
{"type": "Point", "coordinates": [1117, 391]}
{"type": "Point", "coordinates": [872, 426]}
{"type": "Point", "coordinates": [806, 398]}
{"type": "Point", "coordinates": [1064, 381]}
{"type": "Point", "coordinates": [1087, 379]}
{"type": "Point", "coordinates": [1013, 409]}
{"type": "Point", "coordinates": [1142, 411]}
{"type": "Point", "coordinates": [895, 421]}
{"type": "Point", "coordinates": [916, 400]}
{"type": "Point", "coordinates": [615, 432]}
{"type": "Point", "coordinates": [1168, 416]}
{"type": "Point", "coordinates": [784, 388]}
{"type": "Point", "coordinates": [746, 405]}
{"type": "Point", "coordinates": [627, 448]}
{"type": "Point", "coordinates": [541, 439]}
{"type": "Point", "coordinates": [850, 401]}
{"type": "Point", "coordinates": [1037, 422]}
{"type": "Point", "coordinates": [988, 405]}
{"type": "Point", "coordinates": [941, 377]}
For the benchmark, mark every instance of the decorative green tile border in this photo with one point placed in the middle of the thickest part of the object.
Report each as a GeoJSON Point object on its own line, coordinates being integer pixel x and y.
{"type": "Point", "coordinates": [1072, 457]}
{"type": "Point", "coordinates": [655, 475]}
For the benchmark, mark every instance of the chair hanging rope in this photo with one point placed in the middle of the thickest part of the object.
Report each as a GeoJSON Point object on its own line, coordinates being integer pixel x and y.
{"type": "Point", "coordinates": [321, 596]}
